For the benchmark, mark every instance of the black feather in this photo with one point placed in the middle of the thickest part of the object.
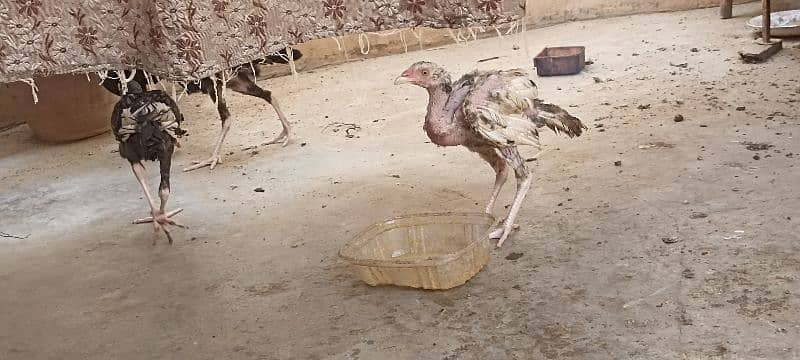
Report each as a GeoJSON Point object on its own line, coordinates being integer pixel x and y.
{"type": "Point", "coordinates": [112, 83]}
{"type": "Point", "coordinates": [148, 141]}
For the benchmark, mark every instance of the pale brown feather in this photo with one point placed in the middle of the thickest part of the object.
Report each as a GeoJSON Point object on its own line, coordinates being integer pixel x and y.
{"type": "Point", "coordinates": [503, 108]}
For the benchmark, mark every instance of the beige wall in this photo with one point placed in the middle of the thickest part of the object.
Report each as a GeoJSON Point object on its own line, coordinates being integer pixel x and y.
{"type": "Point", "coordinates": [540, 13]}
{"type": "Point", "coordinates": [548, 12]}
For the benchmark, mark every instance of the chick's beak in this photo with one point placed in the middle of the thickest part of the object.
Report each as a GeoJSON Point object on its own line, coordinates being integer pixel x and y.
{"type": "Point", "coordinates": [404, 78]}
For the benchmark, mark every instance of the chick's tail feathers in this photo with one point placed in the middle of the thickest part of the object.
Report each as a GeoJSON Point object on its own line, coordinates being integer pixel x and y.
{"type": "Point", "coordinates": [557, 119]}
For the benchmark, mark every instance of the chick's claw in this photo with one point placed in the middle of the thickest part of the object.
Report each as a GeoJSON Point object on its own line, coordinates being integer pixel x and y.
{"type": "Point", "coordinates": [211, 163]}
{"type": "Point", "coordinates": [161, 222]}
{"type": "Point", "coordinates": [282, 139]}
{"type": "Point", "coordinates": [166, 216]}
{"type": "Point", "coordinates": [502, 233]}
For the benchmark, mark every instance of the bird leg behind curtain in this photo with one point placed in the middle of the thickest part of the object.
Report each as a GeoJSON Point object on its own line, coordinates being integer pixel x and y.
{"type": "Point", "coordinates": [243, 84]}
{"type": "Point", "coordinates": [214, 90]}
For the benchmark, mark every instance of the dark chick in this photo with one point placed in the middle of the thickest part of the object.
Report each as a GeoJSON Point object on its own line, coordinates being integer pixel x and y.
{"type": "Point", "coordinates": [490, 113]}
{"type": "Point", "coordinates": [242, 80]}
{"type": "Point", "coordinates": [146, 125]}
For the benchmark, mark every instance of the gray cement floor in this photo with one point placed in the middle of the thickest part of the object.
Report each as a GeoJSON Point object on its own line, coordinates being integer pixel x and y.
{"type": "Point", "coordinates": [257, 276]}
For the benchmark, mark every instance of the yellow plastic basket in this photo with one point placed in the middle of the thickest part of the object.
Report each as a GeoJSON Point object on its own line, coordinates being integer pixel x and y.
{"type": "Point", "coordinates": [429, 251]}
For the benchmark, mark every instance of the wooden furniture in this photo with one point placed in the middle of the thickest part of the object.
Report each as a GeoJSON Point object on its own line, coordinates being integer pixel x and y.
{"type": "Point", "coordinates": [726, 9]}
{"type": "Point", "coordinates": [765, 47]}
{"type": "Point", "coordinates": [726, 12]}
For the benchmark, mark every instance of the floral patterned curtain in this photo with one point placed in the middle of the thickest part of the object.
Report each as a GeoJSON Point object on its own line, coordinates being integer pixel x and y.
{"type": "Point", "coordinates": [192, 39]}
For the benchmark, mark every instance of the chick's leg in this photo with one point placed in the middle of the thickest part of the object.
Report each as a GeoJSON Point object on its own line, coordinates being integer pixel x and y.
{"type": "Point", "coordinates": [224, 116]}
{"type": "Point", "coordinates": [283, 137]}
{"type": "Point", "coordinates": [501, 175]}
{"type": "Point", "coordinates": [245, 84]}
{"type": "Point", "coordinates": [141, 174]}
{"type": "Point", "coordinates": [524, 180]}
{"type": "Point", "coordinates": [160, 218]}
{"type": "Point", "coordinates": [523, 185]}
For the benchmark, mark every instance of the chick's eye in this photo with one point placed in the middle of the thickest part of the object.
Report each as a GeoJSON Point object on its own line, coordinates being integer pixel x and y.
{"type": "Point", "coordinates": [425, 72]}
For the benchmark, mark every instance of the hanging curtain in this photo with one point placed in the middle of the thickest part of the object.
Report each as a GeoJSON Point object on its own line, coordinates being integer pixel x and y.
{"type": "Point", "coordinates": [189, 40]}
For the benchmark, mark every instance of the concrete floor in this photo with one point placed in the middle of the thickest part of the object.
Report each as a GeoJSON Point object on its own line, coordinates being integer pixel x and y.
{"type": "Point", "coordinates": [257, 275]}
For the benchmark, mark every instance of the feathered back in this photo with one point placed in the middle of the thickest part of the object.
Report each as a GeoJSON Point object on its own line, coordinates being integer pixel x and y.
{"type": "Point", "coordinates": [502, 108]}
{"type": "Point", "coordinates": [145, 122]}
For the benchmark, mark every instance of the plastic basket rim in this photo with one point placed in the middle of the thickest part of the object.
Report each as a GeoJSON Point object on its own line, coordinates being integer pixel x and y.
{"type": "Point", "coordinates": [347, 252]}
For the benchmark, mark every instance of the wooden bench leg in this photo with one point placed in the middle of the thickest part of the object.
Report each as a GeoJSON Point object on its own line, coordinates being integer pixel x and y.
{"type": "Point", "coordinates": [767, 21]}
{"type": "Point", "coordinates": [726, 9]}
